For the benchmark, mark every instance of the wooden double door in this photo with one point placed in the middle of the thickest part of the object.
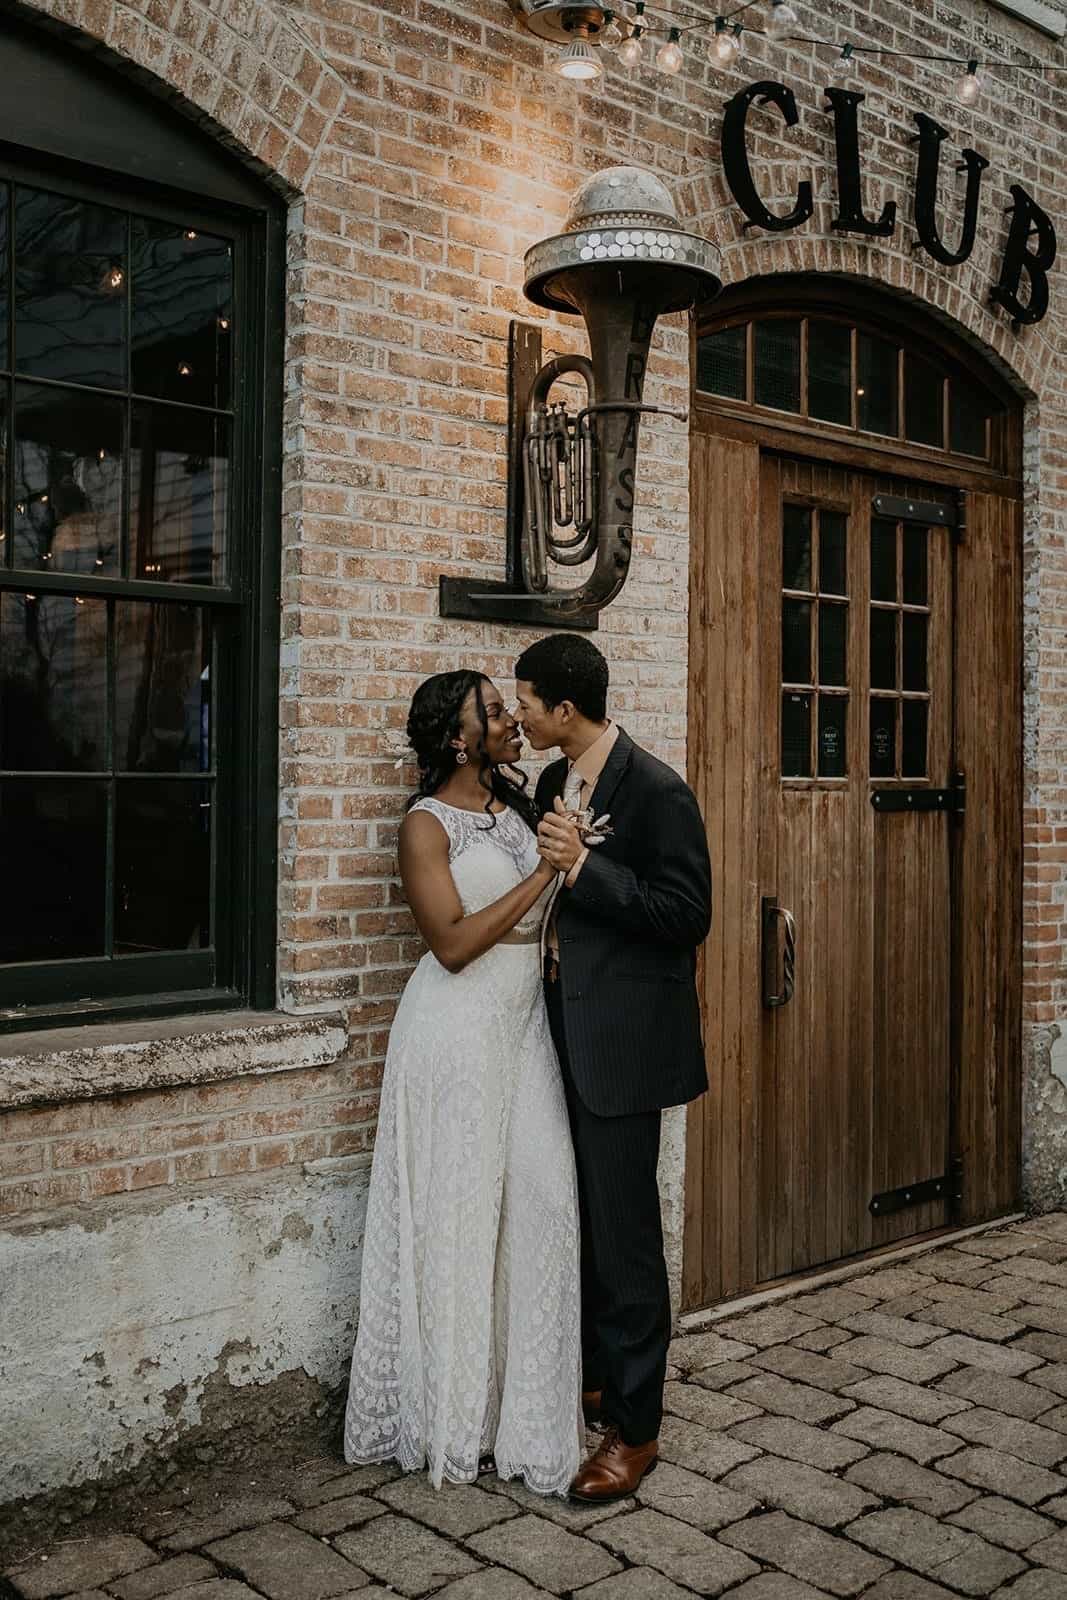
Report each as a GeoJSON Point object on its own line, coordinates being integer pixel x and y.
{"type": "Point", "coordinates": [854, 741]}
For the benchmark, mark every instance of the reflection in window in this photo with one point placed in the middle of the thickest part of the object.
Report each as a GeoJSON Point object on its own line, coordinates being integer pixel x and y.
{"type": "Point", "coordinates": [182, 299]}
{"type": "Point", "coordinates": [883, 649]}
{"type": "Point", "coordinates": [969, 413]}
{"type": "Point", "coordinates": [53, 701]}
{"type": "Point", "coordinates": [883, 751]}
{"type": "Point", "coordinates": [721, 363]}
{"type": "Point", "coordinates": [796, 547]}
{"type": "Point", "coordinates": [70, 289]}
{"type": "Point", "coordinates": [796, 735]}
{"type": "Point", "coordinates": [179, 480]}
{"type": "Point", "coordinates": [876, 385]}
{"type": "Point", "coordinates": [162, 865]}
{"type": "Point", "coordinates": [68, 480]}
{"type": "Point", "coordinates": [777, 364]}
{"type": "Point", "coordinates": [833, 721]}
{"type": "Point", "coordinates": [883, 559]}
{"type": "Point", "coordinates": [915, 714]}
{"type": "Point", "coordinates": [53, 855]}
{"type": "Point", "coordinates": [833, 552]}
{"type": "Point", "coordinates": [923, 391]}
{"type": "Point", "coordinates": [830, 371]}
{"type": "Point", "coordinates": [796, 641]}
{"type": "Point", "coordinates": [162, 688]}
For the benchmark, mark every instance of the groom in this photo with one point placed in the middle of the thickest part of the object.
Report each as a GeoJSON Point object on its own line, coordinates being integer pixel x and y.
{"type": "Point", "coordinates": [620, 956]}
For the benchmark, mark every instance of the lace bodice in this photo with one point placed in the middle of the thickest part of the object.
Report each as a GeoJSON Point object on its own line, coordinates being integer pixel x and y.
{"type": "Point", "coordinates": [488, 859]}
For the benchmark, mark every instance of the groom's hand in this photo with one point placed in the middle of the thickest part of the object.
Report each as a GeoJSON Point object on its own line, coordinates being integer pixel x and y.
{"type": "Point", "coordinates": [558, 839]}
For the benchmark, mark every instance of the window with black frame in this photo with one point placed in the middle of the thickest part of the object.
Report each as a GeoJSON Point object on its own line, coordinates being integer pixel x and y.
{"type": "Point", "coordinates": [128, 604]}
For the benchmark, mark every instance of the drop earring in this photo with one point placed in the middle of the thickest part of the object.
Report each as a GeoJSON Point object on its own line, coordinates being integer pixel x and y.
{"type": "Point", "coordinates": [461, 758]}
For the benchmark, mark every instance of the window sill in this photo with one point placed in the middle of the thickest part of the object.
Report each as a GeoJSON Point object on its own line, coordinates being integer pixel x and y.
{"type": "Point", "coordinates": [65, 1064]}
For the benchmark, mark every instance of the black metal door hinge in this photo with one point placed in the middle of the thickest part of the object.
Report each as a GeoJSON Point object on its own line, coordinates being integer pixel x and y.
{"type": "Point", "coordinates": [949, 1188]}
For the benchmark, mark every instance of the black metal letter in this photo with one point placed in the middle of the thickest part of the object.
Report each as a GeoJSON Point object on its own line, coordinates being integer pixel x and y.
{"type": "Point", "coordinates": [931, 135]}
{"type": "Point", "coordinates": [1027, 221]}
{"type": "Point", "coordinates": [735, 157]}
{"type": "Point", "coordinates": [845, 103]}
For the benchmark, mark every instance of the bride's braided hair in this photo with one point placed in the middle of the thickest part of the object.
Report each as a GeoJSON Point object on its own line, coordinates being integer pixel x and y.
{"type": "Point", "coordinates": [433, 722]}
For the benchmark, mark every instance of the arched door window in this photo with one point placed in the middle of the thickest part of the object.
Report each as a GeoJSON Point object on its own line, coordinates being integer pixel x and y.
{"type": "Point", "coordinates": [138, 558]}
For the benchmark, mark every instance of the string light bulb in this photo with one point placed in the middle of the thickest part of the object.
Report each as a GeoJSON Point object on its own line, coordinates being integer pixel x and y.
{"type": "Point", "coordinates": [669, 57]}
{"type": "Point", "coordinates": [611, 35]}
{"type": "Point", "coordinates": [970, 85]}
{"type": "Point", "coordinates": [782, 21]}
{"type": "Point", "coordinates": [843, 64]}
{"type": "Point", "coordinates": [726, 45]}
{"type": "Point", "coordinates": [578, 63]}
{"type": "Point", "coordinates": [631, 49]}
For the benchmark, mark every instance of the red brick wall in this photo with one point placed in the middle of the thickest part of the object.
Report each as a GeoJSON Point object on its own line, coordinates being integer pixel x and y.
{"type": "Point", "coordinates": [424, 147]}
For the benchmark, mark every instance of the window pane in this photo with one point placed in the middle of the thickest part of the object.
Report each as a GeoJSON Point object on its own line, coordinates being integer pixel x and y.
{"type": "Point", "coordinates": [830, 371]}
{"type": "Point", "coordinates": [162, 688]}
{"type": "Point", "coordinates": [796, 547]}
{"type": "Point", "coordinates": [876, 385]}
{"type": "Point", "coordinates": [182, 296]}
{"type": "Point", "coordinates": [796, 641]}
{"type": "Point", "coordinates": [70, 289]}
{"type": "Point", "coordinates": [833, 719]}
{"type": "Point", "coordinates": [5, 290]}
{"type": "Point", "coordinates": [913, 739]}
{"type": "Point", "coordinates": [883, 649]}
{"type": "Point", "coordinates": [914, 565]}
{"type": "Point", "coordinates": [833, 644]}
{"type": "Point", "coordinates": [913, 650]}
{"type": "Point", "coordinates": [968, 410]}
{"type": "Point", "coordinates": [721, 363]}
{"type": "Point", "coordinates": [777, 360]}
{"type": "Point", "coordinates": [53, 849]}
{"type": "Point", "coordinates": [796, 736]}
{"type": "Point", "coordinates": [68, 480]}
{"type": "Point", "coordinates": [53, 675]}
{"type": "Point", "coordinates": [179, 482]}
{"type": "Point", "coordinates": [883, 559]}
{"type": "Point", "coordinates": [162, 865]}
{"type": "Point", "coordinates": [923, 393]}
{"type": "Point", "coordinates": [883, 738]}
{"type": "Point", "coordinates": [833, 552]}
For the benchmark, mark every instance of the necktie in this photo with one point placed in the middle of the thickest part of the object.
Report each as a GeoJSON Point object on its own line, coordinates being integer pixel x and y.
{"type": "Point", "coordinates": [572, 801]}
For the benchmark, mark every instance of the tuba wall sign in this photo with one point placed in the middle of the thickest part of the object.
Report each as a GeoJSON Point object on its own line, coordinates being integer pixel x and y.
{"type": "Point", "coordinates": [621, 263]}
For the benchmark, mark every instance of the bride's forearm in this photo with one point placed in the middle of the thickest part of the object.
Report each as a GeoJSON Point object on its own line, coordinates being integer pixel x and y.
{"type": "Point", "coordinates": [469, 937]}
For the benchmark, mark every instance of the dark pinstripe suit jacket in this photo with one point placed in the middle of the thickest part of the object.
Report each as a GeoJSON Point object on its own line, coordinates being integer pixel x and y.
{"type": "Point", "coordinates": [628, 934]}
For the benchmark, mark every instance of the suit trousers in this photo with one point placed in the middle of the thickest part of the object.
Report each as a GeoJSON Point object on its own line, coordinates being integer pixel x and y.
{"type": "Point", "coordinates": [626, 1307]}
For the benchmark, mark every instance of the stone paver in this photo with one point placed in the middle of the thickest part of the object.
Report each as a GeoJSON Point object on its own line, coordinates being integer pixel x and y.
{"type": "Point", "coordinates": [285, 1563]}
{"type": "Point", "coordinates": [884, 1430]}
{"type": "Point", "coordinates": [687, 1444]}
{"type": "Point", "coordinates": [803, 1491]}
{"type": "Point", "coordinates": [455, 1509]}
{"type": "Point", "coordinates": [790, 1399]}
{"type": "Point", "coordinates": [162, 1579]}
{"type": "Point", "coordinates": [895, 1478]}
{"type": "Point", "coordinates": [821, 1559]}
{"type": "Point", "coordinates": [899, 1436]}
{"type": "Point", "coordinates": [691, 1498]}
{"type": "Point", "coordinates": [799, 1442]}
{"type": "Point", "coordinates": [405, 1555]}
{"type": "Point", "coordinates": [906, 1399]}
{"type": "Point", "coordinates": [547, 1555]}
{"type": "Point", "coordinates": [1004, 1522]}
{"type": "Point", "coordinates": [81, 1565]}
{"type": "Point", "coordinates": [681, 1552]}
{"type": "Point", "coordinates": [1004, 1474]}
{"type": "Point", "coordinates": [638, 1583]}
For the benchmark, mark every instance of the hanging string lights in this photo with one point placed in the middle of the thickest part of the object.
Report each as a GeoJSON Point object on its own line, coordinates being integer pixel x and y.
{"type": "Point", "coordinates": [589, 32]}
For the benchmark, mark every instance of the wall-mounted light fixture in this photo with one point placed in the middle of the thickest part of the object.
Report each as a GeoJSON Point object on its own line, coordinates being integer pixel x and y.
{"type": "Point", "coordinates": [622, 262]}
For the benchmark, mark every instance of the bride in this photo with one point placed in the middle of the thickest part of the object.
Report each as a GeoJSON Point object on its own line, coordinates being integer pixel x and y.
{"type": "Point", "coordinates": [468, 1340]}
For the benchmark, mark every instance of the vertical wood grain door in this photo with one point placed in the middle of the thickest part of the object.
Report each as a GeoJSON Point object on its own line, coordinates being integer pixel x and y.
{"type": "Point", "coordinates": [856, 795]}
{"type": "Point", "coordinates": [836, 701]}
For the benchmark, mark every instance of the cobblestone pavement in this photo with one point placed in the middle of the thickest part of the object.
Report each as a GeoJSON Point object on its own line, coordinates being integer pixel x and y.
{"type": "Point", "coordinates": [900, 1436]}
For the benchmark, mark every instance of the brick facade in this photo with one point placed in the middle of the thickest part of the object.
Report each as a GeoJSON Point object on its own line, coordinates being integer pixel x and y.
{"type": "Point", "coordinates": [421, 148]}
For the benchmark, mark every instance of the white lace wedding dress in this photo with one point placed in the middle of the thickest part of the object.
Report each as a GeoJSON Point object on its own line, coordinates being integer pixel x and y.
{"type": "Point", "coordinates": [468, 1340]}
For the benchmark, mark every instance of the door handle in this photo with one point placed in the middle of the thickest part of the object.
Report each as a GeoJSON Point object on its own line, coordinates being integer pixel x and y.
{"type": "Point", "coordinates": [772, 914]}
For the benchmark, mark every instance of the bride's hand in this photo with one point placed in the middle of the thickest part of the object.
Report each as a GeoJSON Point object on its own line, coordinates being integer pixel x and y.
{"type": "Point", "coordinates": [544, 871]}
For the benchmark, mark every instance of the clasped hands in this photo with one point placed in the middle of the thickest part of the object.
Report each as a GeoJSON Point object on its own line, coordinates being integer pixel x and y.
{"type": "Point", "coordinates": [558, 840]}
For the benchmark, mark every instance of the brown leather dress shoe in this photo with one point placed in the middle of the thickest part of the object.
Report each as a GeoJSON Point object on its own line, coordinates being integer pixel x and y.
{"type": "Point", "coordinates": [614, 1470]}
{"type": "Point", "coordinates": [592, 1401]}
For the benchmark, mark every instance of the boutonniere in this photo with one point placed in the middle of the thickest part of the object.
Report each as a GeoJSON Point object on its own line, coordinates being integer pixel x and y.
{"type": "Point", "coordinates": [592, 830]}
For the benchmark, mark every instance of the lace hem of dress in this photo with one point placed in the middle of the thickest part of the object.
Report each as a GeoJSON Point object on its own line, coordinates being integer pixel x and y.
{"type": "Point", "coordinates": [410, 1458]}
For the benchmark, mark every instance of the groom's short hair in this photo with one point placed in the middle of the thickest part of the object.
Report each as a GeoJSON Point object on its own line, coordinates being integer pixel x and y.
{"type": "Point", "coordinates": [565, 666]}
